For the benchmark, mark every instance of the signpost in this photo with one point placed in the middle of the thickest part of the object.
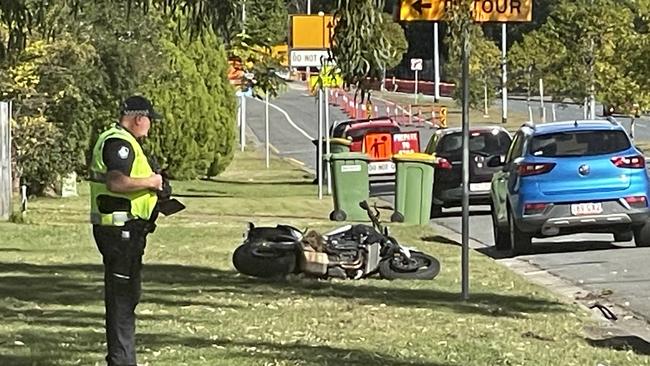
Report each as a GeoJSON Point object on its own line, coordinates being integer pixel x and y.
{"type": "Point", "coordinates": [416, 65]}
{"type": "Point", "coordinates": [309, 42]}
{"type": "Point", "coordinates": [436, 64]}
{"type": "Point", "coordinates": [5, 161]}
{"type": "Point", "coordinates": [482, 11]}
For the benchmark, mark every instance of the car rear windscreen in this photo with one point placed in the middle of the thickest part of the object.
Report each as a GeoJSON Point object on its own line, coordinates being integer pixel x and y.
{"type": "Point", "coordinates": [486, 142]}
{"type": "Point", "coordinates": [579, 143]}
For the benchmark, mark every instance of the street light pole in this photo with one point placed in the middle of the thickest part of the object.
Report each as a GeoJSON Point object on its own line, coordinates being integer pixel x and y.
{"type": "Point", "coordinates": [504, 76]}
{"type": "Point", "coordinates": [436, 64]}
{"type": "Point", "coordinates": [465, 176]}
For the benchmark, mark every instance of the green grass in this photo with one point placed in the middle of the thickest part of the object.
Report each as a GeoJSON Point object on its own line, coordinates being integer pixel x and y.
{"type": "Point", "coordinates": [196, 310]}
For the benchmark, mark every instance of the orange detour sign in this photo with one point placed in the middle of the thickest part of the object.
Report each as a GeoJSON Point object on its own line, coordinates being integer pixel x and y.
{"type": "Point", "coordinates": [483, 11]}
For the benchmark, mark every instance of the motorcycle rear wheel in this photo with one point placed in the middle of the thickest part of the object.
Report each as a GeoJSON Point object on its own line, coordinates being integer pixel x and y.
{"type": "Point", "coordinates": [419, 267]}
{"type": "Point", "coordinates": [249, 261]}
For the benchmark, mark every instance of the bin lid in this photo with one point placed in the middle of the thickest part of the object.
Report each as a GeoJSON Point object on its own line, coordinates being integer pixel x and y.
{"type": "Point", "coordinates": [416, 157]}
{"type": "Point", "coordinates": [349, 156]}
{"type": "Point", "coordinates": [334, 140]}
{"type": "Point", "coordinates": [340, 141]}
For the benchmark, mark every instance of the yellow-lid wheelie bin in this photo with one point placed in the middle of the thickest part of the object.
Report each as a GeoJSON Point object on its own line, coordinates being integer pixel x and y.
{"type": "Point", "coordinates": [413, 187]}
{"type": "Point", "coordinates": [349, 185]}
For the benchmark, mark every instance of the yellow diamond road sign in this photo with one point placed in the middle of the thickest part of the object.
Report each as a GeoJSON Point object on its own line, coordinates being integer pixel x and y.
{"type": "Point", "coordinates": [483, 10]}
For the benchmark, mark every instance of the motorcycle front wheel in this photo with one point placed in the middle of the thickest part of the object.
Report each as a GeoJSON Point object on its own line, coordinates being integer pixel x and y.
{"type": "Point", "coordinates": [419, 267]}
{"type": "Point", "coordinates": [249, 260]}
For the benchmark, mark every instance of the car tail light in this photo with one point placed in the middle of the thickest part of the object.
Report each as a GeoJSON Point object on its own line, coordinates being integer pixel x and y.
{"type": "Point", "coordinates": [526, 169]}
{"type": "Point", "coordinates": [534, 208]}
{"type": "Point", "coordinates": [636, 201]}
{"type": "Point", "coordinates": [636, 161]}
{"type": "Point", "coordinates": [443, 163]}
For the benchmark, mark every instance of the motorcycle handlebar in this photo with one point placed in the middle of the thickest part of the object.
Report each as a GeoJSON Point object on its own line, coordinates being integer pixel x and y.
{"type": "Point", "coordinates": [374, 217]}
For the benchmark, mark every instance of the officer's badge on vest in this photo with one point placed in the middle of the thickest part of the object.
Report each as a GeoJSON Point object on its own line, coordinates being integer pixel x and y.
{"type": "Point", "coordinates": [123, 152]}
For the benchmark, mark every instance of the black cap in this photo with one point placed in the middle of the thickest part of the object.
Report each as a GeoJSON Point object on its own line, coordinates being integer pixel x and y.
{"type": "Point", "coordinates": [138, 105]}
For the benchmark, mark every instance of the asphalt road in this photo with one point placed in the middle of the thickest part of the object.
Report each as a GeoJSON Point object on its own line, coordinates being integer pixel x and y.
{"type": "Point", "coordinates": [588, 260]}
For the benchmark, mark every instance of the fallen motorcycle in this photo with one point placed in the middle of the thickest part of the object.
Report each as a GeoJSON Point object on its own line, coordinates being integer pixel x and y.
{"type": "Point", "coordinates": [351, 251]}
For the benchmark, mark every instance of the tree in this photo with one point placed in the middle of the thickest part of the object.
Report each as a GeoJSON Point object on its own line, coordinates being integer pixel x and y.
{"type": "Point", "coordinates": [194, 95]}
{"type": "Point", "coordinates": [590, 41]}
{"type": "Point", "coordinates": [267, 21]}
{"type": "Point", "coordinates": [58, 91]}
{"type": "Point", "coordinates": [67, 87]}
{"type": "Point", "coordinates": [397, 40]}
{"type": "Point", "coordinates": [484, 56]}
{"type": "Point", "coordinates": [360, 47]}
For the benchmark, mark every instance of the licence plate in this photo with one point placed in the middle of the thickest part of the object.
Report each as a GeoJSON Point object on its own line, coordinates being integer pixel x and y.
{"type": "Point", "coordinates": [381, 167]}
{"type": "Point", "coordinates": [477, 187]}
{"type": "Point", "coordinates": [586, 208]}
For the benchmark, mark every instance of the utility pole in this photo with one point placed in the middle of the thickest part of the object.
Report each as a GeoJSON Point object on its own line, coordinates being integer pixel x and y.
{"type": "Point", "coordinates": [504, 76]}
{"type": "Point", "coordinates": [465, 159]}
{"type": "Point", "coordinates": [592, 87]}
{"type": "Point", "coordinates": [436, 64]}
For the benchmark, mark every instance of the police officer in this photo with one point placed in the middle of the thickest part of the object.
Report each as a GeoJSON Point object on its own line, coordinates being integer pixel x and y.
{"type": "Point", "coordinates": [123, 198]}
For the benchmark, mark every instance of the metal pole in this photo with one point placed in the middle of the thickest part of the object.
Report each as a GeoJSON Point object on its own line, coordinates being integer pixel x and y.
{"type": "Point", "coordinates": [415, 93]}
{"type": "Point", "coordinates": [485, 100]}
{"type": "Point", "coordinates": [436, 63]}
{"type": "Point", "coordinates": [504, 76]}
{"type": "Point", "coordinates": [327, 140]}
{"type": "Point", "coordinates": [243, 16]}
{"type": "Point", "coordinates": [553, 112]}
{"type": "Point", "coordinates": [592, 87]}
{"type": "Point", "coordinates": [308, 6]}
{"type": "Point", "coordinates": [632, 128]}
{"type": "Point", "coordinates": [242, 126]}
{"type": "Point", "coordinates": [465, 200]}
{"type": "Point", "coordinates": [6, 184]}
{"type": "Point", "coordinates": [266, 129]}
{"type": "Point", "coordinates": [541, 100]}
{"type": "Point", "coordinates": [319, 144]}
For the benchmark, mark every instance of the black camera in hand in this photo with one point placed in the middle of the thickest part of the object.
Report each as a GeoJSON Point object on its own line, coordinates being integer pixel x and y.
{"type": "Point", "coordinates": [166, 192]}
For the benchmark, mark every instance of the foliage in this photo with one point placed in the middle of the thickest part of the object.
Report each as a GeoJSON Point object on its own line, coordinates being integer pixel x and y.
{"type": "Point", "coordinates": [397, 40]}
{"type": "Point", "coordinates": [267, 21]}
{"type": "Point", "coordinates": [484, 56]}
{"type": "Point", "coordinates": [66, 89]}
{"type": "Point", "coordinates": [589, 41]}
{"type": "Point", "coordinates": [257, 59]}
{"type": "Point", "coordinates": [57, 89]}
{"type": "Point", "coordinates": [359, 46]}
{"type": "Point", "coordinates": [198, 133]}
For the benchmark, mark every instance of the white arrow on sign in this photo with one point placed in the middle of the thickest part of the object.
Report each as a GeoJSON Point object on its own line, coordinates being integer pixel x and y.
{"type": "Point", "coordinates": [416, 64]}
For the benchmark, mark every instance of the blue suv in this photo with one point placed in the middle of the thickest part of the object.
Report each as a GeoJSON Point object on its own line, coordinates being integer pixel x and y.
{"type": "Point", "coordinates": [569, 177]}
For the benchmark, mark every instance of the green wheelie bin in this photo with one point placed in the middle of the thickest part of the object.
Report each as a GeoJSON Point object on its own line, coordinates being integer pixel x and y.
{"type": "Point", "coordinates": [337, 145]}
{"type": "Point", "coordinates": [350, 185]}
{"type": "Point", "coordinates": [413, 187]}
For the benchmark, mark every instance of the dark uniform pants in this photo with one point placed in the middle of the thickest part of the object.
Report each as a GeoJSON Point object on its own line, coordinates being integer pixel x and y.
{"type": "Point", "coordinates": [122, 249]}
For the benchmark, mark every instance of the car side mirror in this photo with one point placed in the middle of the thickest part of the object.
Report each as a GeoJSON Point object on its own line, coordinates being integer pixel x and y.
{"type": "Point", "coordinates": [496, 161]}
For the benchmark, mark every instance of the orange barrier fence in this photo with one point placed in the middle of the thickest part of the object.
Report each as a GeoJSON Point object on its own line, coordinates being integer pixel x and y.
{"type": "Point", "coordinates": [423, 115]}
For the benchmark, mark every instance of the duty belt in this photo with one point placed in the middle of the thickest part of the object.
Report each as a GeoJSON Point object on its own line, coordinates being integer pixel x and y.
{"type": "Point", "coordinates": [118, 218]}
